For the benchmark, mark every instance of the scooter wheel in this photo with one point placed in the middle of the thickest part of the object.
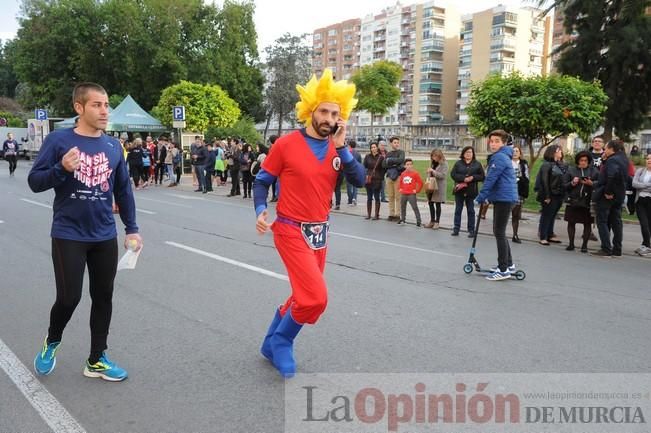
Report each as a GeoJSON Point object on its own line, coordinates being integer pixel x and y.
{"type": "Point", "coordinates": [520, 275]}
{"type": "Point", "coordinates": [467, 268]}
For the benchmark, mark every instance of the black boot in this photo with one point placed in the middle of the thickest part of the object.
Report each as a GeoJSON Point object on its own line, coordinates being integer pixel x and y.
{"type": "Point", "coordinates": [571, 231]}
{"type": "Point", "coordinates": [369, 205]}
{"type": "Point", "coordinates": [377, 211]}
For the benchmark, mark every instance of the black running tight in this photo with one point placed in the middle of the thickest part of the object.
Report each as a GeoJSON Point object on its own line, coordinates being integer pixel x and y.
{"type": "Point", "coordinates": [70, 259]}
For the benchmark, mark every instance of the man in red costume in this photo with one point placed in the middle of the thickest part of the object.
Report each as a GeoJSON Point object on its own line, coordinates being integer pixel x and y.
{"type": "Point", "coordinates": [306, 163]}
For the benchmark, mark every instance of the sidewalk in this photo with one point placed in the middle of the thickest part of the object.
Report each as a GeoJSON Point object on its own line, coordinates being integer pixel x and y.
{"type": "Point", "coordinates": [528, 230]}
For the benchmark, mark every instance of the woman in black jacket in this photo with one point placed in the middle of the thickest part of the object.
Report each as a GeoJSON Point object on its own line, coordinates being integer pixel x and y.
{"type": "Point", "coordinates": [466, 173]}
{"type": "Point", "coordinates": [134, 161]}
{"type": "Point", "coordinates": [374, 179]}
{"type": "Point", "coordinates": [521, 168]}
{"type": "Point", "coordinates": [579, 181]}
{"type": "Point", "coordinates": [551, 192]}
{"type": "Point", "coordinates": [246, 157]}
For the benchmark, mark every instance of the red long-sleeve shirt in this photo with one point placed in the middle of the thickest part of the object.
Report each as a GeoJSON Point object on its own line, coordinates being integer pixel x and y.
{"type": "Point", "coordinates": [410, 182]}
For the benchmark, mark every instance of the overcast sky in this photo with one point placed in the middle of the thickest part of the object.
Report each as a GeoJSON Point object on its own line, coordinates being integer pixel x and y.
{"type": "Point", "coordinates": [275, 17]}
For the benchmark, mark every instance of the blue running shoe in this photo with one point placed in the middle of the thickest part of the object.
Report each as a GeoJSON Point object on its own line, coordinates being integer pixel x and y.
{"type": "Point", "coordinates": [46, 360]}
{"type": "Point", "coordinates": [105, 369]}
{"type": "Point", "coordinates": [498, 276]}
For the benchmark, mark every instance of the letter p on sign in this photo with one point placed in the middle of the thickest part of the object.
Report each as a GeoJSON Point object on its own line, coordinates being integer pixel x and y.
{"type": "Point", "coordinates": [178, 113]}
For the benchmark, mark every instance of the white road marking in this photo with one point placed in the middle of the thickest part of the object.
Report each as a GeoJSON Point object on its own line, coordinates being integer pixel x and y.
{"type": "Point", "coordinates": [224, 202]}
{"type": "Point", "coordinates": [185, 197]}
{"type": "Point", "coordinates": [395, 245]}
{"type": "Point", "coordinates": [36, 203]}
{"type": "Point", "coordinates": [170, 203]}
{"type": "Point", "coordinates": [47, 406]}
{"type": "Point", "coordinates": [148, 212]}
{"type": "Point", "coordinates": [229, 261]}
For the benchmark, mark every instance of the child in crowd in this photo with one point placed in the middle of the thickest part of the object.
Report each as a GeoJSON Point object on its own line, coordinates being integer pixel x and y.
{"type": "Point", "coordinates": [410, 184]}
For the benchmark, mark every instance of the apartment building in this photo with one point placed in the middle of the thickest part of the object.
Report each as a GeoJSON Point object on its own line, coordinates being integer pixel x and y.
{"type": "Point", "coordinates": [422, 38]}
{"type": "Point", "coordinates": [337, 47]}
{"type": "Point", "coordinates": [501, 40]}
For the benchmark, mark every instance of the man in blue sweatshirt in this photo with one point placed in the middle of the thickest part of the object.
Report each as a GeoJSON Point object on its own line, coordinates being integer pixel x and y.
{"type": "Point", "coordinates": [87, 171]}
{"type": "Point", "coordinates": [500, 189]}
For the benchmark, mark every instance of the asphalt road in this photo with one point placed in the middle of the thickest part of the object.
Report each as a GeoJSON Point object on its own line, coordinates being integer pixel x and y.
{"type": "Point", "coordinates": [187, 324]}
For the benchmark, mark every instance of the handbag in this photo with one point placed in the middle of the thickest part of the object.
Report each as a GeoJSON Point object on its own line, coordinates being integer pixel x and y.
{"type": "Point", "coordinates": [369, 177]}
{"type": "Point", "coordinates": [432, 184]}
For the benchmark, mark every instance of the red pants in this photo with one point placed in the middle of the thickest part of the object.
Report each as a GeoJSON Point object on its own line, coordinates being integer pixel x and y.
{"type": "Point", "coordinates": [305, 270]}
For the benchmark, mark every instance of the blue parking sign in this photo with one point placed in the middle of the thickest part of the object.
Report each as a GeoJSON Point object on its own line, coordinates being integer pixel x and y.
{"type": "Point", "coordinates": [40, 114]}
{"type": "Point", "coordinates": [178, 113]}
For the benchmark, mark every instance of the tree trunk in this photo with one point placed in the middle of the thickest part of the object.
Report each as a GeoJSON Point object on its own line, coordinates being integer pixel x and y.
{"type": "Point", "coordinates": [280, 124]}
{"type": "Point", "coordinates": [532, 156]}
{"type": "Point", "coordinates": [266, 126]}
{"type": "Point", "coordinates": [372, 136]}
{"type": "Point", "coordinates": [608, 131]}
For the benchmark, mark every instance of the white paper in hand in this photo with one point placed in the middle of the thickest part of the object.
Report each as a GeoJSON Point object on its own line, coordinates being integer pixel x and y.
{"type": "Point", "coordinates": [129, 259]}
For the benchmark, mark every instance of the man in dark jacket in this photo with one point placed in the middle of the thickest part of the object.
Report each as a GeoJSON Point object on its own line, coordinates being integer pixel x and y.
{"type": "Point", "coordinates": [609, 196]}
{"type": "Point", "coordinates": [199, 162]}
{"type": "Point", "coordinates": [500, 188]}
{"type": "Point", "coordinates": [210, 167]}
{"type": "Point", "coordinates": [394, 164]}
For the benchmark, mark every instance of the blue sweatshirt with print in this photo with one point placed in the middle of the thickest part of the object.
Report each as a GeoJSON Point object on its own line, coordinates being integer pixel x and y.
{"type": "Point", "coordinates": [83, 199]}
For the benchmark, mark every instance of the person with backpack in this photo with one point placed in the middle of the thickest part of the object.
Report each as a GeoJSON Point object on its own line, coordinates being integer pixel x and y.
{"type": "Point", "coordinates": [220, 166]}
{"type": "Point", "coordinates": [550, 190]}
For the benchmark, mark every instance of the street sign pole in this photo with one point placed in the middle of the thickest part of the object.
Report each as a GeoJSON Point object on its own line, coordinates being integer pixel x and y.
{"type": "Point", "coordinates": [178, 121]}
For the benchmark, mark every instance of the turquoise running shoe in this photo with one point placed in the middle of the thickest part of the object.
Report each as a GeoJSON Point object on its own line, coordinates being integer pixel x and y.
{"type": "Point", "coordinates": [46, 360]}
{"type": "Point", "coordinates": [105, 369]}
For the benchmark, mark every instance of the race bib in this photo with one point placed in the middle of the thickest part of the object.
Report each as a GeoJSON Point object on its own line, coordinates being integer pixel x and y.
{"type": "Point", "coordinates": [315, 234]}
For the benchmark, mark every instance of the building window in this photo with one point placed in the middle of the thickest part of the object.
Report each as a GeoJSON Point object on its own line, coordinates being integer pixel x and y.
{"type": "Point", "coordinates": [317, 36]}
{"type": "Point", "coordinates": [332, 32]}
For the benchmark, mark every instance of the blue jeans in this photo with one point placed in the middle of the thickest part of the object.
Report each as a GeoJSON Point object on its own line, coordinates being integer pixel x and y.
{"type": "Point", "coordinates": [548, 217]}
{"type": "Point", "coordinates": [459, 201]}
{"type": "Point", "coordinates": [201, 176]}
{"type": "Point", "coordinates": [351, 190]}
{"type": "Point", "coordinates": [609, 217]}
{"type": "Point", "coordinates": [382, 196]}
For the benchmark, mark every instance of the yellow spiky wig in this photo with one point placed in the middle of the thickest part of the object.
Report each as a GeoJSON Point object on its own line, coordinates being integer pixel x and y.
{"type": "Point", "coordinates": [326, 89]}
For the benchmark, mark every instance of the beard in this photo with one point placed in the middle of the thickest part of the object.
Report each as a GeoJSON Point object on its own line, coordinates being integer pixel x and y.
{"type": "Point", "coordinates": [324, 129]}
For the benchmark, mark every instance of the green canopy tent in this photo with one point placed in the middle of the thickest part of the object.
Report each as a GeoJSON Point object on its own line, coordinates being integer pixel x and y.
{"type": "Point", "coordinates": [129, 117]}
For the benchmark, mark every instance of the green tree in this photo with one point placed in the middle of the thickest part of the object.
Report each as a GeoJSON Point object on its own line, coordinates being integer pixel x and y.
{"type": "Point", "coordinates": [136, 47]}
{"type": "Point", "coordinates": [8, 79]}
{"type": "Point", "coordinates": [49, 47]}
{"type": "Point", "coordinates": [235, 57]}
{"type": "Point", "coordinates": [205, 106]}
{"type": "Point", "coordinates": [13, 120]}
{"type": "Point", "coordinates": [115, 100]}
{"type": "Point", "coordinates": [377, 87]}
{"type": "Point", "coordinates": [544, 108]}
{"type": "Point", "coordinates": [610, 42]}
{"type": "Point", "coordinates": [287, 64]}
{"type": "Point", "coordinates": [243, 128]}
